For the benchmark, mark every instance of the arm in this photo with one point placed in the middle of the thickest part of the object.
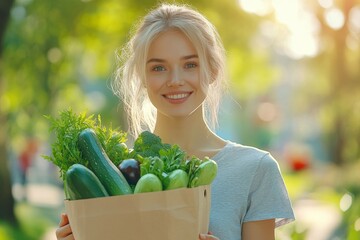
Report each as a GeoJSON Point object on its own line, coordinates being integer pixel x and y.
{"type": "Point", "coordinates": [64, 231]}
{"type": "Point", "coordinates": [263, 229]}
{"type": "Point", "coordinates": [253, 230]}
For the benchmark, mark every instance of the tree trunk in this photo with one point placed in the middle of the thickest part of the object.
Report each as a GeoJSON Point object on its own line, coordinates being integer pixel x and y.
{"type": "Point", "coordinates": [7, 203]}
{"type": "Point", "coordinates": [6, 198]}
{"type": "Point", "coordinates": [5, 6]}
{"type": "Point", "coordinates": [341, 86]}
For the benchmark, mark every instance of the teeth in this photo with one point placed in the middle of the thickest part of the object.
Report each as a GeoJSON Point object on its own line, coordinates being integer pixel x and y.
{"type": "Point", "coordinates": [177, 96]}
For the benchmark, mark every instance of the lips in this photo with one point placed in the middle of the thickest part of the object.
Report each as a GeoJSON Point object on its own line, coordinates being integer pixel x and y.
{"type": "Point", "coordinates": [177, 97]}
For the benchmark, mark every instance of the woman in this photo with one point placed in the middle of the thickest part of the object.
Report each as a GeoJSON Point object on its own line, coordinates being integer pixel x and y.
{"type": "Point", "coordinates": [170, 81]}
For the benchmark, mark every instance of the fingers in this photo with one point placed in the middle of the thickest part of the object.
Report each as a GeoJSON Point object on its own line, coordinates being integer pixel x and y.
{"type": "Point", "coordinates": [63, 220]}
{"type": "Point", "coordinates": [64, 232]}
{"type": "Point", "coordinates": [207, 237]}
{"type": "Point", "coordinates": [70, 237]}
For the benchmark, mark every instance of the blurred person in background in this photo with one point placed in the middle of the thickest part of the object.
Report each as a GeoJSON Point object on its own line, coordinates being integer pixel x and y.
{"type": "Point", "coordinates": [26, 157]}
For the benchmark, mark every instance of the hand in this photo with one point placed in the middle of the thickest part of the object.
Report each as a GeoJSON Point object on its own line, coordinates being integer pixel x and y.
{"type": "Point", "coordinates": [208, 236]}
{"type": "Point", "coordinates": [64, 231]}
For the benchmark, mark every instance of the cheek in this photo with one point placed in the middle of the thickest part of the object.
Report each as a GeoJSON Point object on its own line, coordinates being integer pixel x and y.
{"type": "Point", "coordinates": [196, 82]}
{"type": "Point", "coordinates": [153, 84]}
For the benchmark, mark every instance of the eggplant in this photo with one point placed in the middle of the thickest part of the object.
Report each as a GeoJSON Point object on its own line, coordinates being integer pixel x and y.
{"type": "Point", "coordinates": [130, 168]}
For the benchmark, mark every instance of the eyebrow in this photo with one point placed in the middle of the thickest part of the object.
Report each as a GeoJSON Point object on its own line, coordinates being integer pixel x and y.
{"type": "Point", "coordinates": [162, 60]}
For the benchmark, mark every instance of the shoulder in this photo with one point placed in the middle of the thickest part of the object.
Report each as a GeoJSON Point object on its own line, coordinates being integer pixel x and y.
{"type": "Point", "coordinates": [243, 152]}
{"type": "Point", "coordinates": [238, 154]}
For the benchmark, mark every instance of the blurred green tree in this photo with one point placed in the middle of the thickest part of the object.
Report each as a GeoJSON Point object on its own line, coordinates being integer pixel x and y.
{"type": "Point", "coordinates": [343, 97]}
{"type": "Point", "coordinates": [334, 79]}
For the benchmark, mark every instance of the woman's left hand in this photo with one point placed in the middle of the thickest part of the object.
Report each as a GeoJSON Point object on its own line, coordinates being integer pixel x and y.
{"type": "Point", "coordinates": [208, 236]}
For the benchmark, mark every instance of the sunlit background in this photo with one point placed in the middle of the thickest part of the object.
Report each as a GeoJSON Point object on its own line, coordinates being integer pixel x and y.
{"type": "Point", "coordinates": [294, 72]}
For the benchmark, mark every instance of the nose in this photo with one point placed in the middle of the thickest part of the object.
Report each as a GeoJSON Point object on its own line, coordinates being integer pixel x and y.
{"type": "Point", "coordinates": [175, 78]}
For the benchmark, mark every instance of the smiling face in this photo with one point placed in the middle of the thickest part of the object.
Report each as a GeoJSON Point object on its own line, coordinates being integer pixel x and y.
{"type": "Point", "coordinates": [173, 75]}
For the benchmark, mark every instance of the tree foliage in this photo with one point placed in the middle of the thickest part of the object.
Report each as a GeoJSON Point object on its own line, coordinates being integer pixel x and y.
{"type": "Point", "coordinates": [335, 88]}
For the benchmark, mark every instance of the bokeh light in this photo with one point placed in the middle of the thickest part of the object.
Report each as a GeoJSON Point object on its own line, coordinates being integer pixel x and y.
{"type": "Point", "coordinates": [300, 39]}
{"type": "Point", "coordinates": [334, 18]}
{"type": "Point", "coordinates": [326, 3]}
{"type": "Point", "coordinates": [345, 202]}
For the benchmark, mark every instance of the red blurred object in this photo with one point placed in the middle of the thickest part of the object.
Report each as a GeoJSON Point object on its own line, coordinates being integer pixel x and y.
{"type": "Point", "coordinates": [298, 157]}
{"type": "Point", "coordinates": [26, 156]}
{"type": "Point", "coordinates": [299, 163]}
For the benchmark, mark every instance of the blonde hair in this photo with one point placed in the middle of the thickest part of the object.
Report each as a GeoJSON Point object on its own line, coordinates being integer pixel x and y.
{"type": "Point", "coordinates": [128, 83]}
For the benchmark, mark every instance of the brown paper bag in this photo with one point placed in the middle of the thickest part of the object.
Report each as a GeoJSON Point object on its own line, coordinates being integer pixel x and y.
{"type": "Point", "coordinates": [179, 214]}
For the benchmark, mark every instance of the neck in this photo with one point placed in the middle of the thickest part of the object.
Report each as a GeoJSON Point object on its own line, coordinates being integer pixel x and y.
{"type": "Point", "coordinates": [191, 133]}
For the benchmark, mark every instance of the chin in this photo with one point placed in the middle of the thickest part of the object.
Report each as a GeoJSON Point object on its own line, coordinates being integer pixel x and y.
{"type": "Point", "coordinates": [181, 113]}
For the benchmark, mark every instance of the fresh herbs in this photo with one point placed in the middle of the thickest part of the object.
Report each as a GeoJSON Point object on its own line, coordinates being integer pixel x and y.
{"type": "Point", "coordinates": [67, 127]}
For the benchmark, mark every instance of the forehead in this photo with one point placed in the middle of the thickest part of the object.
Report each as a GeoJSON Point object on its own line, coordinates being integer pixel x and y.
{"type": "Point", "coordinates": [171, 43]}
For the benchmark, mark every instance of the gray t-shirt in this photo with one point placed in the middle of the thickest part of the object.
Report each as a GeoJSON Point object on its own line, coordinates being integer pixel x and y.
{"type": "Point", "coordinates": [248, 187]}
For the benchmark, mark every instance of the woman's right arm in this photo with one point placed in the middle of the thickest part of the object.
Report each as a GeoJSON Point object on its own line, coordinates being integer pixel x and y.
{"type": "Point", "coordinates": [64, 232]}
{"type": "Point", "coordinates": [263, 229]}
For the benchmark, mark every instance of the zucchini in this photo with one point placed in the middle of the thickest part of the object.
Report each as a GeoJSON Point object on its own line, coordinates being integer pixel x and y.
{"type": "Point", "coordinates": [82, 183]}
{"type": "Point", "coordinates": [108, 174]}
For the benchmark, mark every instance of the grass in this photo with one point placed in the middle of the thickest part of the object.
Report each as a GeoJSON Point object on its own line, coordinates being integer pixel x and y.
{"type": "Point", "coordinates": [8, 232]}
{"type": "Point", "coordinates": [327, 185]}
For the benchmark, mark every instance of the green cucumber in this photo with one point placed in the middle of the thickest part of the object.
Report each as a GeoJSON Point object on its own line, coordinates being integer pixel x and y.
{"type": "Point", "coordinates": [176, 179]}
{"type": "Point", "coordinates": [204, 174]}
{"type": "Point", "coordinates": [148, 183]}
{"type": "Point", "coordinates": [108, 174]}
{"type": "Point", "coordinates": [82, 183]}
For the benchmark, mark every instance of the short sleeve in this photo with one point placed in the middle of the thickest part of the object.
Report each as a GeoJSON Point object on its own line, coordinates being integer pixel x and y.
{"type": "Point", "coordinates": [268, 197]}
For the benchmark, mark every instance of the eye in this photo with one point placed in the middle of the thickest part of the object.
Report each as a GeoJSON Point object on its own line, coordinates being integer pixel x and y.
{"type": "Point", "coordinates": [191, 65]}
{"type": "Point", "coordinates": [158, 69]}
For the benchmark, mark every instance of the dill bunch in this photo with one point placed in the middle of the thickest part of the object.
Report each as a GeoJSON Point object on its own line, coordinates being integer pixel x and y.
{"type": "Point", "coordinates": [66, 128]}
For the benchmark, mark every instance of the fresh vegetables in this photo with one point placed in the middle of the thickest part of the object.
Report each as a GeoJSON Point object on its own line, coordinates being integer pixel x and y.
{"type": "Point", "coordinates": [148, 144]}
{"type": "Point", "coordinates": [130, 168]}
{"type": "Point", "coordinates": [176, 179]}
{"type": "Point", "coordinates": [204, 174]}
{"type": "Point", "coordinates": [82, 183]}
{"type": "Point", "coordinates": [148, 183]}
{"type": "Point", "coordinates": [68, 125]}
{"type": "Point", "coordinates": [170, 164]}
{"type": "Point", "coordinates": [109, 175]}
{"type": "Point", "coordinates": [105, 166]}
